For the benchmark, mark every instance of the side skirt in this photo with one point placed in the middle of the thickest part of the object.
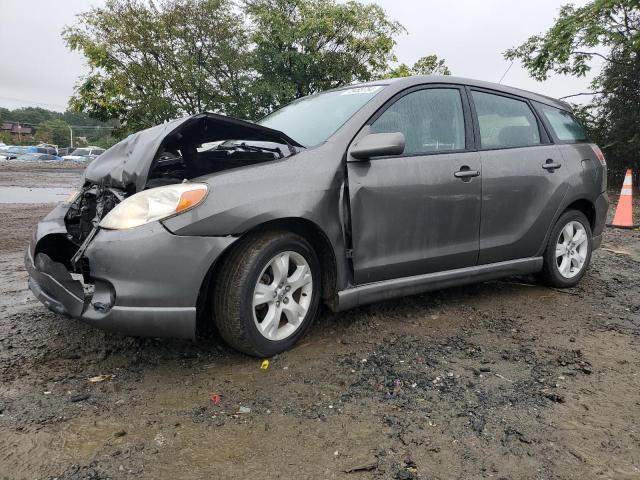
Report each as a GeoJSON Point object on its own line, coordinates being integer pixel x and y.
{"type": "Point", "coordinates": [399, 287]}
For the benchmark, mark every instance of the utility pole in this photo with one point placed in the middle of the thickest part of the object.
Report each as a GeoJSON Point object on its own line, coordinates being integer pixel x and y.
{"type": "Point", "coordinates": [199, 89]}
{"type": "Point", "coordinates": [71, 135]}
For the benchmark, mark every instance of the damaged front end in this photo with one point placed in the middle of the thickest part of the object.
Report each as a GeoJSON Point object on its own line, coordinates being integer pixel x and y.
{"type": "Point", "coordinates": [143, 280]}
{"type": "Point", "coordinates": [83, 218]}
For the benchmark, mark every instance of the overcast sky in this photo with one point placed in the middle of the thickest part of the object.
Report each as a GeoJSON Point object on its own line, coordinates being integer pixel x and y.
{"type": "Point", "coordinates": [37, 69]}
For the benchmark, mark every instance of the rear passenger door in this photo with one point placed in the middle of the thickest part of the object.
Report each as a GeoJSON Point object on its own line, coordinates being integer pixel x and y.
{"type": "Point", "coordinates": [524, 178]}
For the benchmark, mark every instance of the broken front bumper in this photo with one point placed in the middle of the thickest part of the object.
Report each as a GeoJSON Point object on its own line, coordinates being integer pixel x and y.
{"type": "Point", "coordinates": [145, 280]}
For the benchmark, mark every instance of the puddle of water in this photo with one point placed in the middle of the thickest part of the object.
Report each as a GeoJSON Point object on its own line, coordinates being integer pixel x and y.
{"type": "Point", "coordinates": [33, 195]}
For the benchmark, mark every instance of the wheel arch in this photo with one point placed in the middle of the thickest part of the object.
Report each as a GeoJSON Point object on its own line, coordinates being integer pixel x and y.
{"type": "Point", "coordinates": [307, 229]}
{"type": "Point", "coordinates": [581, 204]}
{"type": "Point", "coordinates": [585, 206]}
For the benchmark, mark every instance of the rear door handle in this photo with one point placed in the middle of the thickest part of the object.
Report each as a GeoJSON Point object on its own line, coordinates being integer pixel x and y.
{"type": "Point", "coordinates": [466, 172]}
{"type": "Point", "coordinates": [551, 165]}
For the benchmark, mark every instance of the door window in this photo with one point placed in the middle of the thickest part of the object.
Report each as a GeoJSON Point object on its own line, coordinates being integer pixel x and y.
{"type": "Point", "coordinates": [505, 122]}
{"type": "Point", "coordinates": [563, 124]}
{"type": "Point", "coordinates": [431, 120]}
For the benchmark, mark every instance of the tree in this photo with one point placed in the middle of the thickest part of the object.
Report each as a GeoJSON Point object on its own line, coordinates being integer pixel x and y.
{"type": "Point", "coordinates": [429, 65]}
{"type": "Point", "coordinates": [607, 30]}
{"type": "Point", "coordinates": [105, 142]}
{"type": "Point", "coordinates": [55, 132]}
{"type": "Point", "coordinates": [152, 61]}
{"type": "Point", "coordinates": [30, 115]}
{"type": "Point", "coordinates": [303, 47]}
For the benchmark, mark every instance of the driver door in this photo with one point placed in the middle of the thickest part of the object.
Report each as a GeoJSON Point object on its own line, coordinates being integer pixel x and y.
{"type": "Point", "coordinates": [415, 213]}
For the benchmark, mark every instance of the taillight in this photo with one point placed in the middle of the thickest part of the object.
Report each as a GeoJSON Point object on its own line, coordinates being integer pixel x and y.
{"type": "Point", "coordinates": [599, 154]}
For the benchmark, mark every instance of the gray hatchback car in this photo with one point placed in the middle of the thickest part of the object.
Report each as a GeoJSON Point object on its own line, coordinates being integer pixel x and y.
{"type": "Point", "coordinates": [347, 197]}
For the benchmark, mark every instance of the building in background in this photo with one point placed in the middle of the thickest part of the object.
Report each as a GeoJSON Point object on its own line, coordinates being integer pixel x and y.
{"type": "Point", "coordinates": [18, 132]}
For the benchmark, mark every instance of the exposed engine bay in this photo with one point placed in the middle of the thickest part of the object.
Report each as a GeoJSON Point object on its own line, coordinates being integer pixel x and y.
{"type": "Point", "coordinates": [199, 145]}
{"type": "Point", "coordinates": [178, 162]}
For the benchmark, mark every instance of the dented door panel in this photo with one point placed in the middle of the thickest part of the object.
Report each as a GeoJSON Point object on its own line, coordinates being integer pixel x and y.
{"type": "Point", "coordinates": [411, 215]}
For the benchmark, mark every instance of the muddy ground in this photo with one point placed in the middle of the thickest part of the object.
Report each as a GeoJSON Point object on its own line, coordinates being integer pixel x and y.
{"type": "Point", "coordinates": [505, 380]}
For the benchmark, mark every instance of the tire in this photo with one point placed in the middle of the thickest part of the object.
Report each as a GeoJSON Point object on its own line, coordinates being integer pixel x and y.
{"type": "Point", "coordinates": [257, 264]}
{"type": "Point", "coordinates": [555, 271]}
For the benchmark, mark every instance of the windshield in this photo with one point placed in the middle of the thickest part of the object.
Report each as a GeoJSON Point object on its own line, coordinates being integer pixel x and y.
{"type": "Point", "coordinates": [313, 119]}
{"type": "Point", "coordinates": [81, 152]}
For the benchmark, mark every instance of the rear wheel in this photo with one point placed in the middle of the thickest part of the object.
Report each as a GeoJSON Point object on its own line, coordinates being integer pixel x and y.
{"type": "Point", "coordinates": [267, 294]}
{"type": "Point", "coordinates": [568, 251]}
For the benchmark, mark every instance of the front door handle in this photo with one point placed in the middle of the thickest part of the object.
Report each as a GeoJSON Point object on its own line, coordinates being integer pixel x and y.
{"type": "Point", "coordinates": [466, 173]}
{"type": "Point", "coordinates": [551, 165]}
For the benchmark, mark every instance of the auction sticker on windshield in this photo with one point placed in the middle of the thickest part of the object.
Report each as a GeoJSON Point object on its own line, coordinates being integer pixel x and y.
{"type": "Point", "coordinates": [361, 90]}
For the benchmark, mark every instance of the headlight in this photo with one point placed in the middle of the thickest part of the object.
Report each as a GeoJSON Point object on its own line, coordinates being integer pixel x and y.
{"type": "Point", "coordinates": [154, 204]}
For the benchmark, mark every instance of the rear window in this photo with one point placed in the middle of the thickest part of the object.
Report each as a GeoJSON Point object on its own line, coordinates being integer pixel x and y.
{"type": "Point", "coordinates": [564, 125]}
{"type": "Point", "coordinates": [505, 122]}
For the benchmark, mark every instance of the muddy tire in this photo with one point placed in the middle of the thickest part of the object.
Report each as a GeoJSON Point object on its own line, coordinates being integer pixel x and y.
{"type": "Point", "coordinates": [267, 293]}
{"type": "Point", "coordinates": [568, 251]}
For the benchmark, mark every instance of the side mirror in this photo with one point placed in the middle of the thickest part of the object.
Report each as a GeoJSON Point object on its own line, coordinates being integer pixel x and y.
{"type": "Point", "coordinates": [378, 145]}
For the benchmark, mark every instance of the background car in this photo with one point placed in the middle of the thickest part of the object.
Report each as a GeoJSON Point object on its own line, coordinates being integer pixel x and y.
{"type": "Point", "coordinates": [84, 154]}
{"type": "Point", "coordinates": [3, 150]}
{"type": "Point", "coordinates": [14, 152]}
{"type": "Point", "coordinates": [65, 151]}
{"type": "Point", "coordinates": [38, 157]}
{"type": "Point", "coordinates": [47, 148]}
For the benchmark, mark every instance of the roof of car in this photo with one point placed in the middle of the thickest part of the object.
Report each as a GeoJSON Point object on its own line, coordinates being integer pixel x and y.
{"type": "Point", "coordinates": [423, 79]}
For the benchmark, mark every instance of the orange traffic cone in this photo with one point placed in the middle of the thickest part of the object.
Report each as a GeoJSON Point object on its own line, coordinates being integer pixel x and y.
{"type": "Point", "coordinates": [624, 215]}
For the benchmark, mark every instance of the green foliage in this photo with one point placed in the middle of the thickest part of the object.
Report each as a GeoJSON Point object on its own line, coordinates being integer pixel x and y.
{"type": "Point", "coordinates": [29, 115]}
{"type": "Point", "coordinates": [429, 65]}
{"type": "Point", "coordinates": [580, 34]}
{"type": "Point", "coordinates": [606, 30]}
{"type": "Point", "coordinates": [54, 131]}
{"type": "Point", "coordinates": [618, 112]}
{"type": "Point", "coordinates": [303, 47]}
{"type": "Point", "coordinates": [151, 61]}
{"type": "Point", "coordinates": [106, 141]}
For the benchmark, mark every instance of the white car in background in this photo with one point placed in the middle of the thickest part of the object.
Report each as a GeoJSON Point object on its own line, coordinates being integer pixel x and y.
{"type": "Point", "coordinates": [84, 154]}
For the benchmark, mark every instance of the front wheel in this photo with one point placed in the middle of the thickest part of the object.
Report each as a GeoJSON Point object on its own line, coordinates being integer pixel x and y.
{"type": "Point", "coordinates": [568, 251]}
{"type": "Point", "coordinates": [267, 294]}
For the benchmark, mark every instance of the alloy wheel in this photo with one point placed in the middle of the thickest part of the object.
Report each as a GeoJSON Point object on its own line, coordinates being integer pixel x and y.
{"type": "Point", "coordinates": [282, 295]}
{"type": "Point", "coordinates": [572, 247]}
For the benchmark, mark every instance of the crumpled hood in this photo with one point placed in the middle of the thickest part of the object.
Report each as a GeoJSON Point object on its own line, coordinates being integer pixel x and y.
{"type": "Point", "coordinates": [126, 164]}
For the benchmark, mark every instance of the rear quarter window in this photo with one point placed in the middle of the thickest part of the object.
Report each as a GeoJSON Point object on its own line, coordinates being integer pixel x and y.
{"type": "Point", "coordinates": [564, 125]}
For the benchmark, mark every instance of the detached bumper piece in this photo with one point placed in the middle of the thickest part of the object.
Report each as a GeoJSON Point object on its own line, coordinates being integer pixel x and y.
{"type": "Point", "coordinates": [53, 285]}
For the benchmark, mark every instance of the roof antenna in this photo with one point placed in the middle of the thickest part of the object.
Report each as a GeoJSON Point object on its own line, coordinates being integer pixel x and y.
{"type": "Point", "coordinates": [505, 73]}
